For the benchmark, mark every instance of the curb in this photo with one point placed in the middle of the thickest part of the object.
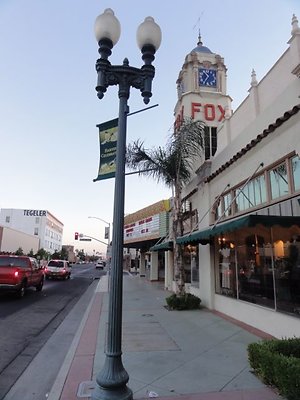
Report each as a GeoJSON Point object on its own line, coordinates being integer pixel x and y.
{"type": "Point", "coordinates": [58, 386]}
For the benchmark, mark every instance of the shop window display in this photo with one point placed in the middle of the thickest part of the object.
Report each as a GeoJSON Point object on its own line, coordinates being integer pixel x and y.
{"type": "Point", "coordinates": [194, 266]}
{"type": "Point", "coordinates": [260, 265]}
{"type": "Point", "coordinates": [256, 281]}
{"type": "Point", "coordinates": [287, 272]}
{"type": "Point", "coordinates": [226, 274]}
{"type": "Point", "coordinates": [191, 264]}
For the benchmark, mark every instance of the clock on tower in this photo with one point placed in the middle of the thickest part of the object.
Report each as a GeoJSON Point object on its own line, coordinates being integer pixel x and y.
{"type": "Point", "coordinates": [207, 77]}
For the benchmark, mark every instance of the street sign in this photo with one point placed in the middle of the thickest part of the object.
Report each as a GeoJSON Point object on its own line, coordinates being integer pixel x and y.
{"type": "Point", "coordinates": [85, 240]}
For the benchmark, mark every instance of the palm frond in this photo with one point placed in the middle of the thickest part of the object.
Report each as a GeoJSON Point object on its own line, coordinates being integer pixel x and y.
{"type": "Point", "coordinates": [172, 164]}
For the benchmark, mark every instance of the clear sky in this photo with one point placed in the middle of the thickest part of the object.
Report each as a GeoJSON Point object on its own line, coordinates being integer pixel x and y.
{"type": "Point", "coordinates": [49, 108]}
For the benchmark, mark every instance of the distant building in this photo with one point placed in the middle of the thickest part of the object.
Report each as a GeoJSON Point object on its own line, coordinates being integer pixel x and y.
{"type": "Point", "coordinates": [142, 230]}
{"type": "Point", "coordinates": [39, 223]}
{"type": "Point", "coordinates": [70, 252]}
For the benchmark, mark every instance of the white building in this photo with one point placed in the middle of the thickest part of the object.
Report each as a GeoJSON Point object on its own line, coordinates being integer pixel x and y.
{"type": "Point", "coordinates": [39, 223]}
{"type": "Point", "coordinates": [242, 238]}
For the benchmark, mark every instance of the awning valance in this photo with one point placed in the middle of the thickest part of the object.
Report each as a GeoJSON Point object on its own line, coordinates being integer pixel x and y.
{"type": "Point", "coordinates": [164, 246]}
{"type": "Point", "coordinates": [204, 236]}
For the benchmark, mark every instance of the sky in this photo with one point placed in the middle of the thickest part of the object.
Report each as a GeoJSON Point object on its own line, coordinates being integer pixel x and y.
{"type": "Point", "coordinates": [49, 146]}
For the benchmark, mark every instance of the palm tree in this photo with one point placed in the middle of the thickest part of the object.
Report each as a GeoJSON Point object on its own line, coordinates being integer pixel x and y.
{"type": "Point", "coordinates": [172, 165]}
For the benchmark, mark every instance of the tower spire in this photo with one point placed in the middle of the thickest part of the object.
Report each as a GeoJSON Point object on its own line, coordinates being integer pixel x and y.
{"type": "Point", "coordinates": [199, 43]}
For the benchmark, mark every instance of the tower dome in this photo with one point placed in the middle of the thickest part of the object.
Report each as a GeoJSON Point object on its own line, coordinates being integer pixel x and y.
{"type": "Point", "coordinates": [200, 48]}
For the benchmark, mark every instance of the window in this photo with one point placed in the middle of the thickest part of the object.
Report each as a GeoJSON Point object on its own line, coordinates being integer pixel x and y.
{"type": "Point", "coordinates": [260, 191]}
{"type": "Point", "coordinates": [296, 172]}
{"type": "Point", "coordinates": [14, 262]}
{"type": "Point", "coordinates": [225, 266]}
{"type": "Point", "coordinates": [279, 181]}
{"type": "Point", "coordinates": [54, 263]}
{"type": "Point", "coordinates": [252, 194]}
{"type": "Point", "coordinates": [210, 142]}
{"type": "Point", "coordinates": [36, 231]}
{"type": "Point", "coordinates": [256, 192]}
{"type": "Point", "coordinates": [260, 267]}
{"type": "Point", "coordinates": [180, 88]}
{"type": "Point", "coordinates": [227, 204]}
{"type": "Point", "coordinates": [7, 219]}
{"type": "Point", "coordinates": [194, 265]}
{"type": "Point", "coordinates": [37, 220]}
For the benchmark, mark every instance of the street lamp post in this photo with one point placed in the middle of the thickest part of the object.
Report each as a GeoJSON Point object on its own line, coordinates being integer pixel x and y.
{"type": "Point", "coordinates": [112, 379]}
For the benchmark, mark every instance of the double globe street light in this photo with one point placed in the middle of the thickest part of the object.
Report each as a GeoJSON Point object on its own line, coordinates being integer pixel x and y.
{"type": "Point", "coordinates": [113, 378]}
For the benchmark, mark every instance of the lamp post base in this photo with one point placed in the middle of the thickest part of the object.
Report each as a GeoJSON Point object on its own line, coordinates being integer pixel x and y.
{"type": "Point", "coordinates": [111, 381]}
{"type": "Point", "coordinates": [118, 393]}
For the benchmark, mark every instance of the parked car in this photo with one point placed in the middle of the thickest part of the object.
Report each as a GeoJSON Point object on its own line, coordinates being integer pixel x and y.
{"type": "Point", "coordinates": [100, 264]}
{"type": "Point", "coordinates": [58, 269]}
{"type": "Point", "coordinates": [17, 273]}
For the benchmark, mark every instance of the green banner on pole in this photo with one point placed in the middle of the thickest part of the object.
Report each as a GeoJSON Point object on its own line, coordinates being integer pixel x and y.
{"type": "Point", "coordinates": [108, 133]}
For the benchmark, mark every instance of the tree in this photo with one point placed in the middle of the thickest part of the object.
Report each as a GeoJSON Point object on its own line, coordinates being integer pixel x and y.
{"type": "Point", "coordinates": [31, 254]}
{"type": "Point", "coordinates": [172, 165]}
{"type": "Point", "coordinates": [42, 254]}
{"type": "Point", "coordinates": [19, 252]}
{"type": "Point", "coordinates": [56, 255]}
{"type": "Point", "coordinates": [81, 254]}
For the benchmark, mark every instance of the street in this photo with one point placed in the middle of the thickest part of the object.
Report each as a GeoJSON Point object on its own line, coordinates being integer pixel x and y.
{"type": "Point", "coordinates": [26, 324]}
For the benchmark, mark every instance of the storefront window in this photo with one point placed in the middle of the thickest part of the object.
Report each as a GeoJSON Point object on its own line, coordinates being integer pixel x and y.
{"type": "Point", "coordinates": [260, 265]}
{"type": "Point", "coordinates": [194, 266]}
{"type": "Point", "coordinates": [255, 271]}
{"type": "Point", "coordinates": [287, 269]}
{"type": "Point", "coordinates": [279, 181]}
{"type": "Point", "coordinates": [296, 172]}
{"type": "Point", "coordinates": [191, 264]}
{"type": "Point", "coordinates": [225, 266]}
{"type": "Point", "coordinates": [187, 263]}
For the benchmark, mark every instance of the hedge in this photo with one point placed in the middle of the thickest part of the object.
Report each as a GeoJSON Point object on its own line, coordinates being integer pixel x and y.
{"type": "Point", "coordinates": [186, 301]}
{"type": "Point", "coordinates": [277, 363]}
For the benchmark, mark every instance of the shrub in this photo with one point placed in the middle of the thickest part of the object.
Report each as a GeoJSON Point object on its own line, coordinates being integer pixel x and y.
{"type": "Point", "coordinates": [277, 362]}
{"type": "Point", "coordinates": [183, 302]}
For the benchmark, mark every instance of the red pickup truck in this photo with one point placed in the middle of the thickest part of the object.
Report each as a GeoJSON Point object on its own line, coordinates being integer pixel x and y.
{"type": "Point", "coordinates": [17, 273]}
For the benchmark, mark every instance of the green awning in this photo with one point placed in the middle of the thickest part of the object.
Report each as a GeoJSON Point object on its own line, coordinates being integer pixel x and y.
{"type": "Point", "coordinates": [164, 246]}
{"type": "Point", "coordinates": [204, 236]}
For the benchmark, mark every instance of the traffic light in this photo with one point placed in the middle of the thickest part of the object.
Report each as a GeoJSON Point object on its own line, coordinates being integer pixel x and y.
{"type": "Point", "coordinates": [76, 235]}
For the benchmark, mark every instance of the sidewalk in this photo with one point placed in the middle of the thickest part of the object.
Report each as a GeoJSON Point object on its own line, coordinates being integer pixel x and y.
{"type": "Point", "coordinates": [197, 355]}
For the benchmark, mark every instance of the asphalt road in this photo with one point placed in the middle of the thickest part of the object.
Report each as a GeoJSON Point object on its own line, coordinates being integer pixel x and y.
{"type": "Point", "coordinates": [27, 324]}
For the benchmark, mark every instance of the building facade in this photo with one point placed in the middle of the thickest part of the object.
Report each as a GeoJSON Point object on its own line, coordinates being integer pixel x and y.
{"type": "Point", "coordinates": [38, 223]}
{"type": "Point", "coordinates": [69, 249]}
{"type": "Point", "coordinates": [142, 230]}
{"type": "Point", "coordinates": [242, 238]}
